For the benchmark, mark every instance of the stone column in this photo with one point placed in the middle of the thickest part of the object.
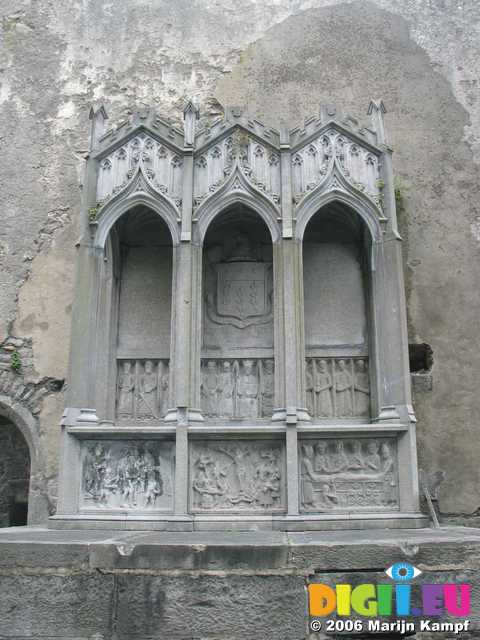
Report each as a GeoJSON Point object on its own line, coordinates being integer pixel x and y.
{"type": "Point", "coordinates": [185, 350]}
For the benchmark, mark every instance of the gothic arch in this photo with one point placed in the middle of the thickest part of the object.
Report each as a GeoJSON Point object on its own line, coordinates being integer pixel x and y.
{"type": "Point", "coordinates": [237, 190]}
{"type": "Point", "coordinates": [358, 202]}
{"type": "Point", "coordinates": [115, 209]}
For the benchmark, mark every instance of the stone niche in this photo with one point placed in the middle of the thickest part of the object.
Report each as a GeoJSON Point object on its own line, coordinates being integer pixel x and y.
{"type": "Point", "coordinates": [236, 362]}
{"type": "Point", "coordinates": [238, 314]}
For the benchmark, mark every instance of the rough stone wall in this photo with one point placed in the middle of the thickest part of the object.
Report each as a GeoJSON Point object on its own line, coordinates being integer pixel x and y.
{"type": "Point", "coordinates": [280, 58]}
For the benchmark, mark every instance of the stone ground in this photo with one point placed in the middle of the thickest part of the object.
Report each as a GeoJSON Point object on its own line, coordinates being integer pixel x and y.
{"type": "Point", "coordinates": [85, 585]}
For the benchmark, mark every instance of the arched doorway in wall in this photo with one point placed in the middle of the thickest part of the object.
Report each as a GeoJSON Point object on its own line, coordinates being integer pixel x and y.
{"type": "Point", "coordinates": [336, 304]}
{"type": "Point", "coordinates": [141, 293]}
{"type": "Point", "coordinates": [238, 318]}
{"type": "Point", "coordinates": [14, 475]}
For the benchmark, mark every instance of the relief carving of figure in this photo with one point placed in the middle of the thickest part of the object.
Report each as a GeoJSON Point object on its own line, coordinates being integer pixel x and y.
{"type": "Point", "coordinates": [323, 384]}
{"type": "Point", "coordinates": [268, 388]}
{"type": "Point", "coordinates": [372, 459]}
{"type": "Point", "coordinates": [388, 469]}
{"type": "Point", "coordinates": [343, 386]}
{"type": "Point", "coordinates": [309, 388]}
{"type": "Point", "coordinates": [226, 390]}
{"type": "Point", "coordinates": [362, 389]}
{"type": "Point", "coordinates": [247, 391]}
{"type": "Point", "coordinates": [129, 476]}
{"type": "Point", "coordinates": [164, 393]}
{"type": "Point", "coordinates": [147, 392]}
{"type": "Point", "coordinates": [307, 474]}
{"type": "Point", "coordinates": [339, 460]}
{"type": "Point", "coordinates": [96, 473]}
{"type": "Point", "coordinates": [268, 480]}
{"type": "Point", "coordinates": [126, 387]}
{"type": "Point", "coordinates": [321, 461]}
{"type": "Point", "coordinates": [153, 482]}
{"type": "Point", "coordinates": [208, 482]}
{"type": "Point", "coordinates": [210, 389]}
{"type": "Point", "coordinates": [356, 461]}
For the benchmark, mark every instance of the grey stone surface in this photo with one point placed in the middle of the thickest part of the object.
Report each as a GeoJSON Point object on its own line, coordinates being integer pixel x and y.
{"type": "Point", "coordinates": [209, 585]}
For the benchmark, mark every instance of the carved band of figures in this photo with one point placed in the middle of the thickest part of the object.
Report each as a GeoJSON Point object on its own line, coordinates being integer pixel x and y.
{"type": "Point", "coordinates": [237, 389]}
{"type": "Point", "coordinates": [337, 387]}
{"type": "Point", "coordinates": [119, 475]}
{"type": "Point", "coordinates": [348, 474]}
{"type": "Point", "coordinates": [237, 476]}
{"type": "Point", "coordinates": [142, 389]}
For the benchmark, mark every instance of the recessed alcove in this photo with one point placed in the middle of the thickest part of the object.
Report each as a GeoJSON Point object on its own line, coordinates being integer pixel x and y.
{"type": "Point", "coordinates": [141, 245]}
{"type": "Point", "coordinates": [238, 317]}
{"type": "Point", "coordinates": [335, 250]}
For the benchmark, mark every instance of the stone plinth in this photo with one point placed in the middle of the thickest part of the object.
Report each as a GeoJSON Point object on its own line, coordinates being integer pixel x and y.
{"type": "Point", "coordinates": [210, 585]}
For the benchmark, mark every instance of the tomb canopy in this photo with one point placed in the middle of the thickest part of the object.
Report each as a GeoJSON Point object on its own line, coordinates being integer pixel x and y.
{"type": "Point", "coordinates": [239, 354]}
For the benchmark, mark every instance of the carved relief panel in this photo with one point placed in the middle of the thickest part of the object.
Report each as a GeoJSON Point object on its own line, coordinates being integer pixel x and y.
{"type": "Point", "coordinates": [348, 475]}
{"type": "Point", "coordinates": [160, 164]}
{"type": "Point", "coordinates": [142, 390]}
{"type": "Point", "coordinates": [237, 389]}
{"type": "Point", "coordinates": [237, 476]}
{"type": "Point", "coordinates": [312, 163]}
{"type": "Point", "coordinates": [127, 475]}
{"type": "Point", "coordinates": [337, 387]}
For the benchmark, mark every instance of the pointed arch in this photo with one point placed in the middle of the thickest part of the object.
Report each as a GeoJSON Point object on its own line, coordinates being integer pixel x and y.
{"type": "Point", "coordinates": [237, 190]}
{"type": "Point", "coordinates": [138, 192]}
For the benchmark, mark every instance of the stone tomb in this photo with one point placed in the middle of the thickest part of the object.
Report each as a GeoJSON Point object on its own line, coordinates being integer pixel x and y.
{"type": "Point", "coordinates": [239, 351]}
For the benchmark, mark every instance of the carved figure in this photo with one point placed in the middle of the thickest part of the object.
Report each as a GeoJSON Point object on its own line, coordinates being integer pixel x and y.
{"type": "Point", "coordinates": [356, 461]}
{"type": "Point", "coordinates": [226, 390]}
{"type": "Point", "coordinates": [309, 388]}
{"type": "Point", "coordinates": [323, 384]}
{"type": "Point", "coordinates": [164, 393]}
{"type": "Point", "coordinates": [339, 461]}
{"type": "Point", "coordinates": [362, 389]}
{"type": "Point", "coordinates": [96, 473]}
{"type": "Point", "coordinates": [207, 482]}
{"type": "Point", "coordinates": [268, 480]}
{"type": "Point", "coordinates": [388, 469]}
{"type": "Point", "coordinates": [321, 460]}
{"type": "Point", "coordinates": [129, 476]}
{"type": "Point", "coordinates": [210, 389]}
{"type": "Point", "coordinates": [268, 388]}
{"type": "Point", "coordinates": [126, 387]}
{"type": "Point", "coordinates": [343, 386]}
{"type": "Point", "coordinates": [247, 391]}
{"type": "Point", "coordinates": [372, 459]}
{"type": "Point", "coordinates": [153, 482]}
{"type": "Point", "coordinates": [326, 498]}
{"type": "Point", "coordinates": [147, 393]}
{"type": "Point", "coordinates": [307, 474]}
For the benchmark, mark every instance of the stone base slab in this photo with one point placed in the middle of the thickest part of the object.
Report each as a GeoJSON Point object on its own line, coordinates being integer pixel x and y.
{"type": "Point", "coordinates": [112, 585]}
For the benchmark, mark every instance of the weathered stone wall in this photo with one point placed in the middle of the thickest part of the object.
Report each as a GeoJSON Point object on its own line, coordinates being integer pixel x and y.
{"type": "Point", "coordinates": [280, 58]}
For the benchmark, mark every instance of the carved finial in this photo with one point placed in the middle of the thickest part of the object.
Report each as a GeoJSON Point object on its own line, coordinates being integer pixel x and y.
{"type": "Point", "coordinates": [328, 111]}
{"type": "Point", "coordinates": [376, 109]}
{"type": "Point", "coordinates": [191, 113]}
{"type": "Point", "coordinates": [98, 117]}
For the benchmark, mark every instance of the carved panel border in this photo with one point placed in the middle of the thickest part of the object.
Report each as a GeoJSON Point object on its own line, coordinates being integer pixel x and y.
{"type": "Point", "coordinates": [338, 475]}
{"type": "Point", "coordinates": [122, 475]}
{"type": "Point", "coordinates": [237, 476]}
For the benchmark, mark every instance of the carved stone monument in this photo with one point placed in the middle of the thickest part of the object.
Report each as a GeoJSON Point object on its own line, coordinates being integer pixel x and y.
{"type": "Point", "coordinates": [235, 359]}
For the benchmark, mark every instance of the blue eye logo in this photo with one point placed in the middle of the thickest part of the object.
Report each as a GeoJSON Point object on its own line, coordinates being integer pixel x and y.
{"type": "Point", "coordinates": [402, 572]}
